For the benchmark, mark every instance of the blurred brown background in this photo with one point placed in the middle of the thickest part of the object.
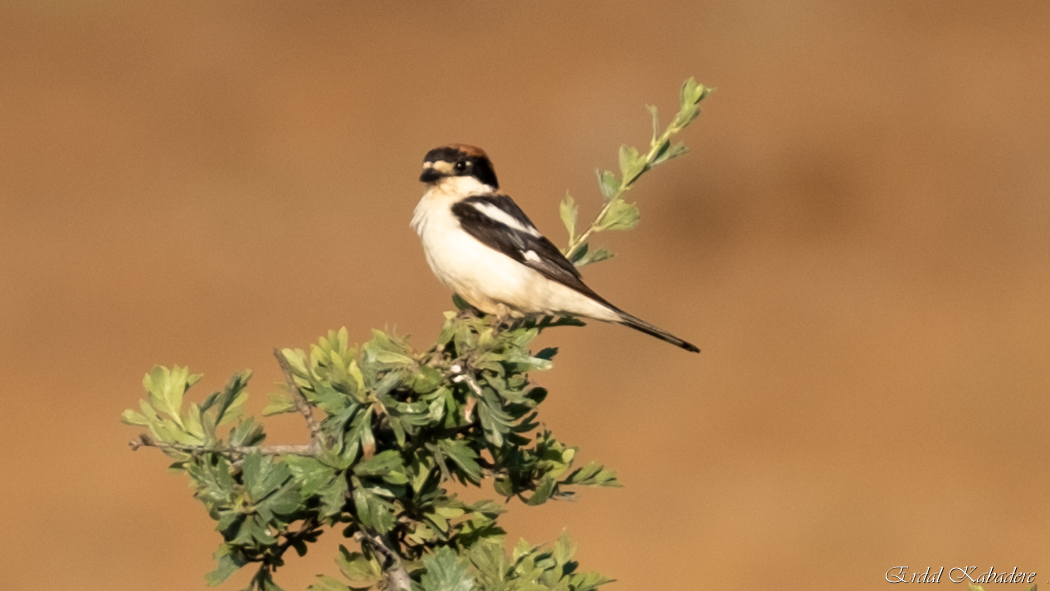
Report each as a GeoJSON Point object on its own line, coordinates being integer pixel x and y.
{"type": "Point", "coordinates": [858, 242]}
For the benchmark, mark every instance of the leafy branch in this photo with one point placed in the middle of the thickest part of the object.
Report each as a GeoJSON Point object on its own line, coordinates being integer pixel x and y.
{"type": "Point", "coordinates": [390, 428]}
{"type": "Point", "coordinates": [616, 213]}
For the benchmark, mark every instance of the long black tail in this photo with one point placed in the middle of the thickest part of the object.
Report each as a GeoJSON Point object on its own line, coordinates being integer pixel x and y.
{"type": "Point", "coordinates": [639, 324]}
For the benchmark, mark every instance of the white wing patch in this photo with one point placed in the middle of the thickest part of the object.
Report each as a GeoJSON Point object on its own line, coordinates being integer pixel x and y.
{"type": "Point", "coordinates": [531, 256]}
{"type": "Point", "coordinates": [495, 213]}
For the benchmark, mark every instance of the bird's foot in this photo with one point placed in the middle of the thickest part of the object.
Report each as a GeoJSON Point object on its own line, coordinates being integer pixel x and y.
{"type": "Point", "coordinates": [501, 319]}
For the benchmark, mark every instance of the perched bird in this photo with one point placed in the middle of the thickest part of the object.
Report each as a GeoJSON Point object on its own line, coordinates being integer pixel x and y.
{"type": "Point", "coordinates": [481, 245]}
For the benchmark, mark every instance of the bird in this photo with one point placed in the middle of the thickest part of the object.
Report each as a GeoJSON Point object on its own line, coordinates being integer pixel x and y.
{"type": "Point", "coordinates": [482, 246]}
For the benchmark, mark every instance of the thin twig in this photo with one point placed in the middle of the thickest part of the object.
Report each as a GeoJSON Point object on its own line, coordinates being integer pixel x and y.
{"type": "Point", "coordinates": [464, 375]}
{"type": "Point", "coordinates": [396, 573]}
{"type": "Point", "coordinates": [470, 381]}
{"type": "Point", "coordinates": [625, 185]}
{"type": "Point", "coordinates": [239, 450]}
{"type": "Point", "coordinates": [300, 400]}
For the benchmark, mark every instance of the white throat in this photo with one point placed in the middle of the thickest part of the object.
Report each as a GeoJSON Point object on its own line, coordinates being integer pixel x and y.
{"type": "Point", "coordinates": [440, 197]}
{"type": "Point", "coordinates": [463, 186]}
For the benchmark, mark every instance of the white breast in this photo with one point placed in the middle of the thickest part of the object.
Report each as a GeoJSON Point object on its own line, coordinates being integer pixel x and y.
{"type": "Point", "coordinates": [485, 277]}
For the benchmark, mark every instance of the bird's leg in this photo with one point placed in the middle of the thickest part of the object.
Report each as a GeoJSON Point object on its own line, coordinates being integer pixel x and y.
{"type": "Point", "coordinates": [501, 317]}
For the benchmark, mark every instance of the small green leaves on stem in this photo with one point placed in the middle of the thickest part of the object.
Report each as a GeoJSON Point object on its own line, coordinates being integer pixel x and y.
{"type": "Point", "coordinates": [163, 414]}
{"type": "Point", "coordinates": [620, 216]}
{"type": "Point", "coordinates": [399, 425]}
{"type": "Point", "coordinates": [569, 212]}
{"type": "Point", "coordinates": [608, 183]}
{"type": "Point", "coordinates": [615, 213]}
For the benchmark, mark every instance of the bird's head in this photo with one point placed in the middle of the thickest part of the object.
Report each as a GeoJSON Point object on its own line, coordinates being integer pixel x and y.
{"type": "Point", "coordinates": [458, 160]}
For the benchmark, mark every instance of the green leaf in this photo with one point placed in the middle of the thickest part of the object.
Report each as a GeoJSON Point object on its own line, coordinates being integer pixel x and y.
{"type": "Point", "coordinates": [439, 522]}
{"type": "Point", "coordinates": [393, 358]}
{"type": "Point", "coordinates": [493, 422]}
{"type": "Point", "coordinates": [423, 534]}
{"type": "Point", "coordinates": [384, 352]}
{"type": "Point", "coordinates": [503, 486]}
{"type": "Point", "coordinates": [191, 421]}
{"type": "Point", "coordinates": [491, 561]}
{"type": "Point", "coordinates": [587, 581]}
{"type": "Point", "coordinates": [620, 216]}
{"type": "Point", "coordinates": [333, 497]}
{"type": "Point", "coordinates": [459, 302]}
{"type": "Point", "coordinates": [689, 100]}
{"type": "Point", "coordinates": [426, 380]}
{"type": "Point", "coordinates": [464, 457]}
{"type": "Point", "coordinates": [228, 404]}
{"type": "Point", "coordinates": [522, 549]}
{"type": "Point", "coordinates": [297, 360]}
{"type": "Point", "coordinates": [262, 475]}
{"type": "Point", "coordinates": [597, 256]}
{"type": "Point", "coordinates": [632, 164]}
{"type": "Point", "coordinates": [309, 472]}
{"type": "Point", "coordinates": [373, 511]}
{"type": "Point", "coordinates": [355, 566]}
{"type": "Point", "coordinates": [359, 436]}
{"type": "Point", "coordinates": [446, 572]}
{"type": "Point", "coordinates": [593, 474]}
{"type": "Point", "coordinates": [131, 417]}
{"type": "Point", "coordinates": [381, 464]}
{"type": "Point", "coordinates": [247, 432]}
{"type": "Point", "coordinates": [341, 336]}
{"type": "Point", "coordinates": [280, 403]}
{"type": "Point", "coordinates": [421, 468]}
{"type": "Point", "coordinates": [213, 481]}
{"type": "Point", "coordinates": [569, 212]}
{"type": "Point", "coordinates": [543, 491]}
{"type": "Point", "coordinates": [656, 122]}
{"type": "Point", "coordinates": [449, 512]}
{"type": "Point", "coordinates": [166, 388]}
{"type": "Point", "coordinates": [662, 152]}
{"type": "Point", "coordinates": [253, 531]}
{"type": "Point", "coordinates": [608, 183]}
{"type": "Point", "coordinates": [564, 550]}
{"type": "Point", "coordinates": [230, 561]}
{"type": "Point", "coordinates": [285, 501]}
{"type": "Point", "coordinates": [677, 150]}
{"type": "Point", "coordinates": [580, 254]}
{"type": "Point", "coordinates": [693, 92]}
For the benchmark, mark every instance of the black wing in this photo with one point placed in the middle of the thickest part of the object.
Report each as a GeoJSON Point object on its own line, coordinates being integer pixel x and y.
{"type": "Point", "coordinates": [524, 243]}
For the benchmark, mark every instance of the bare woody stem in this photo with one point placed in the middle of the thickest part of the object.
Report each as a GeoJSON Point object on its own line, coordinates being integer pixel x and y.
{"type": "Point", "coordinates": [300, 401]}
{"type": "Point", "coordinates": [397, 575]}
{"type": "Point", "coordinates": [464, 375]}
{"type": "Point", "coordinates": [238, 450]}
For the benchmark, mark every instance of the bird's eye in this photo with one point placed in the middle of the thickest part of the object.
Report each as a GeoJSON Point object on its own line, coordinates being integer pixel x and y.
{"type": "Point", "coordinates": [460, 166]}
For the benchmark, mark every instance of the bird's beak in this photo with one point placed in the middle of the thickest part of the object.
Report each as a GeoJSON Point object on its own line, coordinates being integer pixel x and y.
{"type": "Point", "coordinates": [430, 175]}
{"type": "Point", "coordinates": [435, 171]}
